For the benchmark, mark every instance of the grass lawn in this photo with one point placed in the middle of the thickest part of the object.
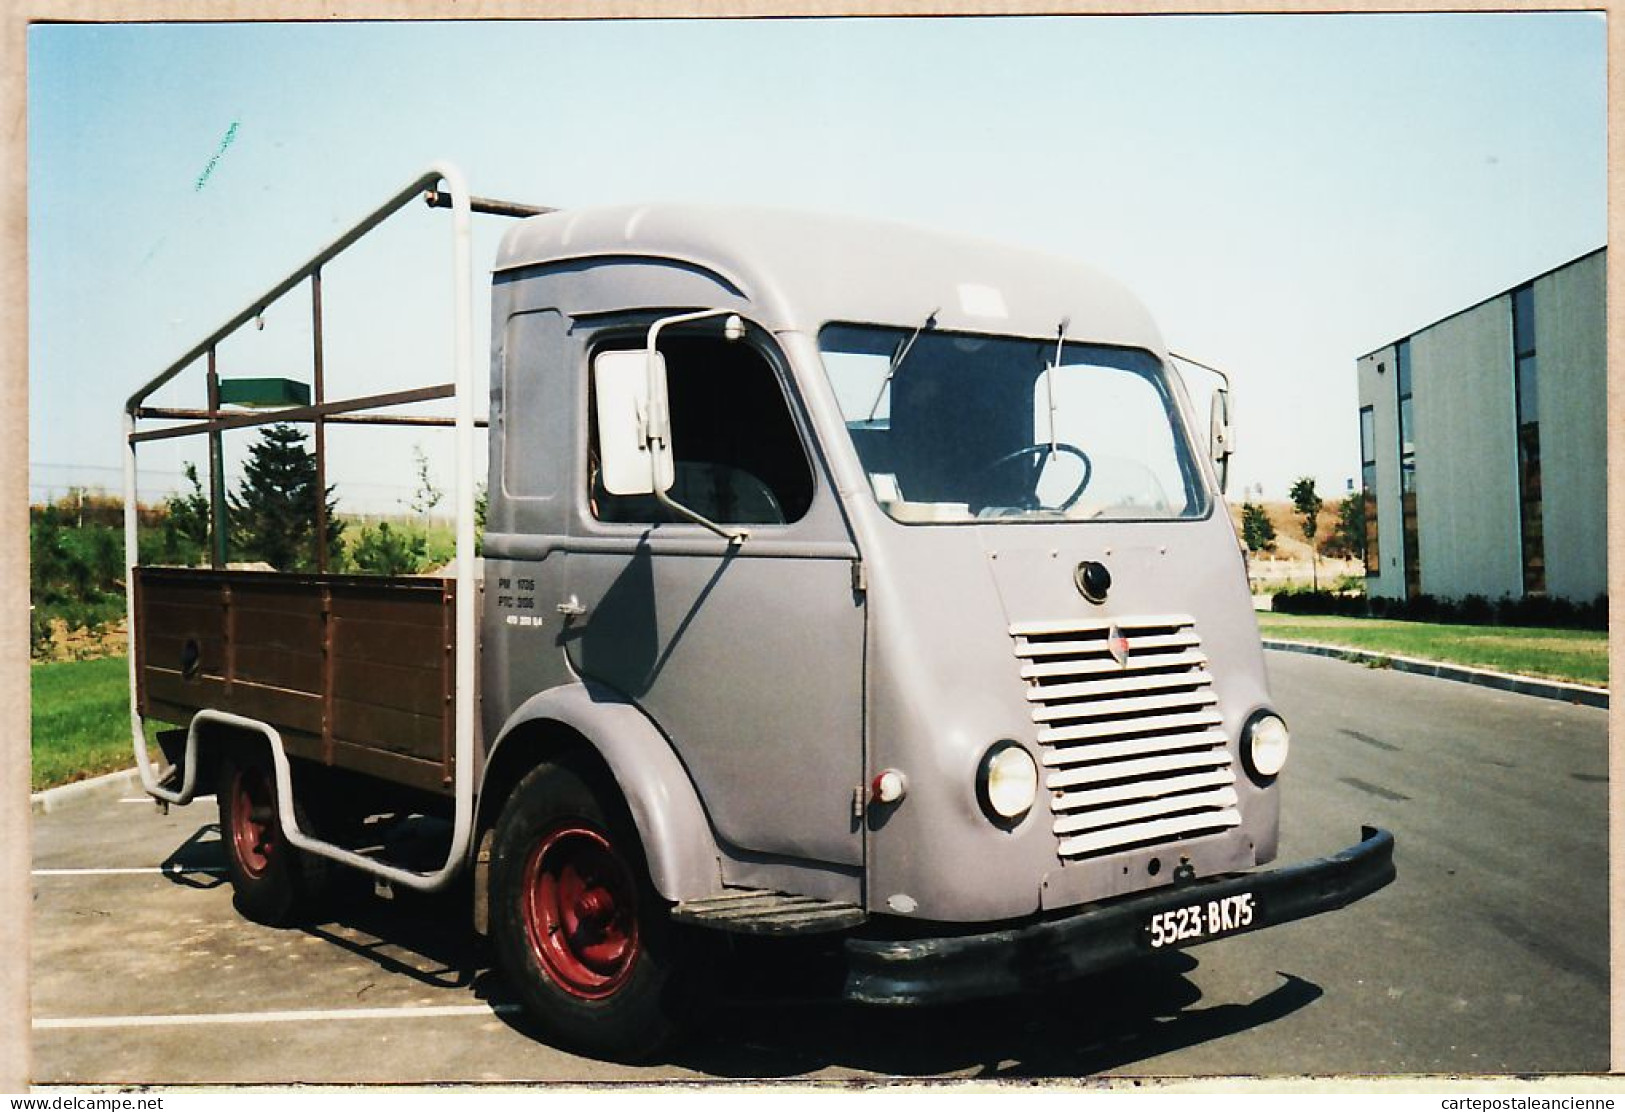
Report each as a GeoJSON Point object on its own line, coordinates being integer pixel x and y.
{"type": "Point", "coordinates": [81, 720]}
{"type": "Point", "coordinates": [1579, 656]}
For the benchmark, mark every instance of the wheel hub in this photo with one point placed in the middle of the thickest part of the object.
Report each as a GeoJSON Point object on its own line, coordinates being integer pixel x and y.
{"type": "Point", "coordinates": [580, 912]}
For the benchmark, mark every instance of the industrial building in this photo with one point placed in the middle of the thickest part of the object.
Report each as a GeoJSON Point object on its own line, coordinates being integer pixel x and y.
{"type": "Point", "coordinates": [1483, 446]}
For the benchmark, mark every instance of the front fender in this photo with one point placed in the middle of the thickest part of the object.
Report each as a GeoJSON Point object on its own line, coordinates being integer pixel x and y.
{"type": "Point", "coordinates": [684, 863]}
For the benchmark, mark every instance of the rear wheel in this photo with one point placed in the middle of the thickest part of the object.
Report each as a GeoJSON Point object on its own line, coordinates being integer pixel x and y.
{"type": "Point", "coordinates": [579, 929]}
{"type": "Point", "coordinates": [272, 882]}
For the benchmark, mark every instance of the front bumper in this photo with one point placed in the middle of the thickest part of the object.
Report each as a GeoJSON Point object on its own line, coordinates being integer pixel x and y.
{"type": "Point", "coordinates": [1004, 962]}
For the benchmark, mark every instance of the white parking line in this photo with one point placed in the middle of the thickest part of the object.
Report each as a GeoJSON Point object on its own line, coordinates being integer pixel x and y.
{"type": "Point", "coordinates": [147, 870]}
{"type": "Point", "coordinates": [420, 1012]}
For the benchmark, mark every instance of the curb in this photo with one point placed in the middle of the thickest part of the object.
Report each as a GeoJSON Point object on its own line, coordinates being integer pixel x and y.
{"type": "Point", "coordinates": [1503, 681]}
{"type": "Point", "coordinates": [44, 802]}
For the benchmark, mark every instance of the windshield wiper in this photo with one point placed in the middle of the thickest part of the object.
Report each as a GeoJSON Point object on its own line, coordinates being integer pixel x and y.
{"type": "Point", "coordinates": [1049, 379]}
{"type": "Point", "coordinates": [899, 355]}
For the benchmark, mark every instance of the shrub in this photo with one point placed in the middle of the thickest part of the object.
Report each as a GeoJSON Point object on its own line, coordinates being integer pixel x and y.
{"type": "Point", "coordinates": [1556, 613]}
{"type": "Point", "coordinates": [387, 551]}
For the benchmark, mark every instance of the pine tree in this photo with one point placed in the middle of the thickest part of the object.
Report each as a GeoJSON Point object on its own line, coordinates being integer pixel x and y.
{"type": "Point", "coordinates": [273, 514]}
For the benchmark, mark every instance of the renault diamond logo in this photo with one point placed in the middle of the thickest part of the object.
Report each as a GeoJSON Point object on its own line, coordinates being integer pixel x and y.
{"type": "Point", "coordinates": [1117, 645]}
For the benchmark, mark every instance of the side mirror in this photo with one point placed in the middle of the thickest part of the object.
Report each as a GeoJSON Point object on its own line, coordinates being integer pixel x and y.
{"type": "Point", "coordinates": [634, 424]}
{"type": "Point", "coordinates": [1221, 436]}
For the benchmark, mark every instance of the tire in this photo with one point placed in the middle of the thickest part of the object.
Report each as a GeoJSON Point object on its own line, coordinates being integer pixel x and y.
{"type": "Point", "coordinates": [579, 930]}
{"type": "Point", "coordinates": [272, 882]}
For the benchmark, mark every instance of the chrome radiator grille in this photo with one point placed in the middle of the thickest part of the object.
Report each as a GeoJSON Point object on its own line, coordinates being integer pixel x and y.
{"type": "Point", "coordinates": [1130, 731]}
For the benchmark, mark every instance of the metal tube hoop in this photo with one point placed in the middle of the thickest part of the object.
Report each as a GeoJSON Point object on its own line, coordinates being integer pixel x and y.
{"type": "Point", "coordinates": [463, 664]}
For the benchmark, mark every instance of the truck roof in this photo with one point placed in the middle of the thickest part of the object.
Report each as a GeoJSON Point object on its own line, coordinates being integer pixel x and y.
{"type": "Point", "coordinates": [799, 270]}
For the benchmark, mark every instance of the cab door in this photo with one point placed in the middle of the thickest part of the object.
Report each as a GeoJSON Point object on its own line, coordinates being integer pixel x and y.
{"type": "Point", "coordinates": [748, 656]}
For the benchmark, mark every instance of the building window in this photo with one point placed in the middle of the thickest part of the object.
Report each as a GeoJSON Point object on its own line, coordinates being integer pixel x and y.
{"type": "Point", "coordinates": [1526, 381]}
{"type": "Point", "coordinates": [1368, 488]}
{"type": "Point", "coordinates": [1407, 471]}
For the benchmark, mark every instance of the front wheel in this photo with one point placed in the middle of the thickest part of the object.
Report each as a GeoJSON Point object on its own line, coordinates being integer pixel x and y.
{"type": "Point", "coordinates": [578, 928]}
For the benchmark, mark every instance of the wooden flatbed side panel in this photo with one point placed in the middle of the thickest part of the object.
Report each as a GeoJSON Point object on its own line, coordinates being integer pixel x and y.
{"type": "Point", "coordinates": [357, 668]}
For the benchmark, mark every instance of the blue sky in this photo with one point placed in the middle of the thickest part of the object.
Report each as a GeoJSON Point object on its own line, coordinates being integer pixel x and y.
{"type": "Point", "coordinates": [1285, 192]}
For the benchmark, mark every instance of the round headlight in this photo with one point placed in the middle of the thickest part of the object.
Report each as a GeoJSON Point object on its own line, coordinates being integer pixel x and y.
{"type": "Point", "coordinates": [1265, 747]}
{"type": "Point", "coordinates": [1007, 782]}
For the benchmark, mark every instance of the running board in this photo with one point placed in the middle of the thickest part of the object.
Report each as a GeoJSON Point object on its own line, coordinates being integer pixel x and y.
{"type": "Point", "coordinates": [759, 911]}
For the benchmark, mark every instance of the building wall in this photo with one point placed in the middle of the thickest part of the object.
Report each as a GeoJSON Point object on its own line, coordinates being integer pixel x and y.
{"type": "Point", "coordinates": [1570, 325]}
{"type": "Point", "coordinates": [1464, 408]}
{"type": "Point", "coordinates": [1377, 390]}
{"type": "Point", "coordinates": [1466, 454]}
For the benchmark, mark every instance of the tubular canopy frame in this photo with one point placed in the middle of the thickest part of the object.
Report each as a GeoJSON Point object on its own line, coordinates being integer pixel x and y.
{"type": "Point", "coordinates": [446, 183]}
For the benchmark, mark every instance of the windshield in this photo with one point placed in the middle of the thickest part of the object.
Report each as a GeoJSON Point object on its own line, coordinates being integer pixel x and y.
{"type": "Point", "coordinates": [975, 428]}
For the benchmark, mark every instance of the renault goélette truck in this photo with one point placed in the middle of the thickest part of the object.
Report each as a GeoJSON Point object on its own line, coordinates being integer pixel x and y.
{"type": "Point", "coordinates": [838, 577]}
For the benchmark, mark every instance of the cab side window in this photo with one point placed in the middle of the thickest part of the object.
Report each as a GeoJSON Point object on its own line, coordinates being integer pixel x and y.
{"type": "Point", "coordinates": [738, 457]}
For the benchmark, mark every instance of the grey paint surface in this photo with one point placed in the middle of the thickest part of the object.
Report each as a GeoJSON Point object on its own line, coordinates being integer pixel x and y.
{"type": "Point", "coordinates": [1571, 341]}
{"type": "Point", "coordinates": [1466, 455]}
{"type": "Point", "coordinates": [800, 270]}
{"type": "Point", "coordinates": [1487, 954]}
{"type": "Point", "coordinates": [671, 823]}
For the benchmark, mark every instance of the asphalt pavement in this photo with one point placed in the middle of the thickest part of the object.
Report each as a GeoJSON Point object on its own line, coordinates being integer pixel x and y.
{"type": "Point", "coordinates": [1489, 954]}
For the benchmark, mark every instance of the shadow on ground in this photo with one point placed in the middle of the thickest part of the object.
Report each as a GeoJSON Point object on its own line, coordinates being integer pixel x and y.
{"type": "Point", "coordinates": [776, 1017]}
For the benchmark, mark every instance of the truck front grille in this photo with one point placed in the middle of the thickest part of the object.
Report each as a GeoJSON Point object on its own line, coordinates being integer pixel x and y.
{"type": "Point", "coordinates": [1132, 748]}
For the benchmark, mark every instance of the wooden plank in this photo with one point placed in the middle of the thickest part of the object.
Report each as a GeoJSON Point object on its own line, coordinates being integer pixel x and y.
{"type": "Point", "coordinates": [281, 708]}
{"type": "Point", "coordinates": [388, 643]}
{"type": "Point", "coordinates": [278, 667]}
{"type": "Point", "coordinates": [182, 621]}
{"type": "Point", "coordinates": [168, 652]}
{"type": "Point", "coordinates": [294, 710]}
{"type": "Point", "coordinates": [394, 731]}
{"type": "Point", "coordinates": [426, 775]}
{"type": "Point", "coordinates": [283, 600]}
{"type": "Point", "coordinates": [406, 608]}
{"type": "Point", "coordinates": [275, 629]}
{"type": "Point", "coordinates": [413, 689]}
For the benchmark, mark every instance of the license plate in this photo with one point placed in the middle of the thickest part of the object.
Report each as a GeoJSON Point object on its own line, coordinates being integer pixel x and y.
{"type": "Point", "coordinates": [1198, 922]}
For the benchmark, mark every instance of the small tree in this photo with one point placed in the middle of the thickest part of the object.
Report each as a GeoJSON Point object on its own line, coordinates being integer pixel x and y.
{"type": "Point", "coordinates": [1349, 536]}
{"type": "Point", "coordinates": [273, 514]}
{"type": "Point", "coordinates": [1308, 503]}
{"type": "Point", "coordinates": [1257, 531]}
{"type": "Point", "coordinates": [427, 496]}
{"type": "Point", "coordinates": [186, 522]}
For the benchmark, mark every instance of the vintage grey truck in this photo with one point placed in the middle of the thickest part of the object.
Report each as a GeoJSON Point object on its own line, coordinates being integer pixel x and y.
{"type": "Point", "coordinates": [838, 577]}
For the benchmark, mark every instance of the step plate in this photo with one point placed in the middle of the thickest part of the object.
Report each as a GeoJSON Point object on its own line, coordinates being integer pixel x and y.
{"type": "Point", "coordinates": [758, 911]}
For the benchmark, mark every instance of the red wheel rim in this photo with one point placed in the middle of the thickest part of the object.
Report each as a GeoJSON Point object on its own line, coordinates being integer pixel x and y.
{"type": "Point", "coordinates": [254, 829]}
{"type": "Point", "coordinates": [580, 912]}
